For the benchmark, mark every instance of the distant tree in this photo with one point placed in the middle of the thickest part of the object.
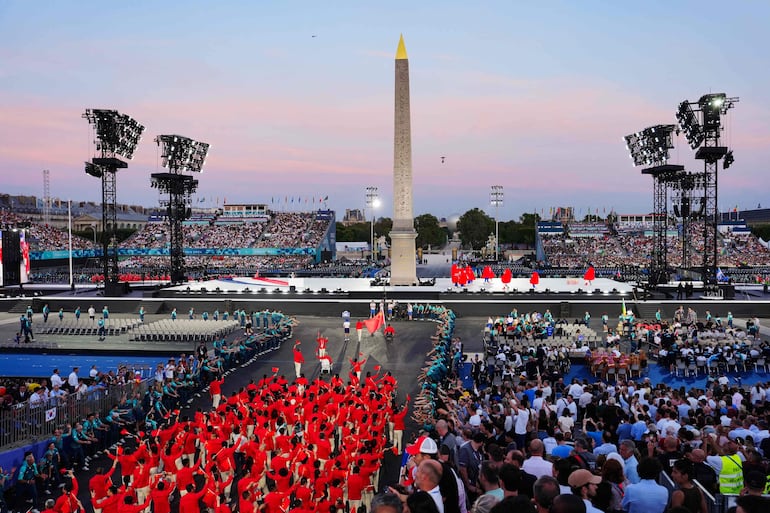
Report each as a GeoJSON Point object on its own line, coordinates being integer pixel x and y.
{"type": "Point", "coordinates": [429, 233]}
{"type": "Point", "coordinates": [762, 231]}
{"type": "Point", "coordinates": [475, 227]}
{"type": "Point", "coordinates": [342, 233]}
{"type": "Point", "coordinates": [508, 232]}
{"type": "Point", "coordinates": [382, 226]}
{"type": "Point", "coordinates": [529, 219]}
{"type": "Point", "coordinates": [358, 232]}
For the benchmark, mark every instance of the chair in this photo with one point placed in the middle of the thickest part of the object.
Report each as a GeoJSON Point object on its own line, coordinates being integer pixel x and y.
{"type": "Point", "coordinates": [681, 367]}
{"type": "Point", "coordinates": [326, 366]}
{"type": "Point", "coordinates": [692, 369]}
{"type": "Point", "coordinates": [760, 362]}
{"type": "Point", "coordinates": [622, 371]}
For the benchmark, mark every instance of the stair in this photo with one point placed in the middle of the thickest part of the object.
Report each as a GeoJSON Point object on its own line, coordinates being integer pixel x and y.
{"type": "Point", "coordinates": [21, 306]}
{"type": "Point", "coordinates": [646, 310]}
{"type": "Point", "coordinates": [153, 307]}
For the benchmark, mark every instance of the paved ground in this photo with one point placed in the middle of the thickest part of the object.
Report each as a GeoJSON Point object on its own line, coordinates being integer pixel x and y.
{"type": "Point", "coordinates": [404, 358]}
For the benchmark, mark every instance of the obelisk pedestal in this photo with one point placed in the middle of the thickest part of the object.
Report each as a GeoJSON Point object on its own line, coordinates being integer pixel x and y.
{"type": "Point", "coordinates": [403, 267]}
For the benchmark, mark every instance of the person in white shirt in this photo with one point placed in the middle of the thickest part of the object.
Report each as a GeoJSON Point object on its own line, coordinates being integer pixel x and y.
{"type": "Point", "coordinates": [427, 478]}
{"type": "Point", "coordinates": [57, 395]}
{"type": "Point", "coordinates": [535, 464]}
{"type": "Point", "coordinates": [521, 421]}
{"type": "Point", "coordinates": [38, 398]}
{"type": "Point", "coordinates": [94, 372]}
{"type": "Point", "coordinates": [737, 399]}
{"type": "Point", "coordinates": [72, 380]}
{"type": "Point", "coordinates": [566, 422]}
{"type": "Point", "coordinates": [566, 402]}
{"type": "Point", "coordinates": [584, 485]}
{"type": "Point", "coordinates": [575, 389]}
{"type": "Point", "coordinates": [168, 371]}
{"type": "Point", "coordinates": [56, 378]}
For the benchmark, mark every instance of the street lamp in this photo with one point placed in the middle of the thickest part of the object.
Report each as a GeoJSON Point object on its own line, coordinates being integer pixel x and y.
{"type": "Point", "coordinates": [496, 199]}
{"type": "Point", "coordinates": [372, 202]}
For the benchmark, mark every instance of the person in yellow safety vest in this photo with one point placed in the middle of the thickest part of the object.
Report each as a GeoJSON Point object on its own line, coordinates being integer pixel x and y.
{"type": "Point", "coordinates": [728, 464]}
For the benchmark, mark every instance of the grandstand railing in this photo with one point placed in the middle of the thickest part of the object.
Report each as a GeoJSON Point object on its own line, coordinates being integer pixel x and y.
{"type": "Point", "coordinates": [24, 425]}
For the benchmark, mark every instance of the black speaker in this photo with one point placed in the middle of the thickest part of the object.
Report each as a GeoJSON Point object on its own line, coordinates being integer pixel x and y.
{"type": "Point", "coordinates": [685, 207]}
{"type": "Point", "coordinates": [12, 262]}
{"type": "Point", "coordinates": [728, 290]}
{"type": "Point", "coordinates": [564, 309]}
{"type": "Point", "coordinates": [326, 256]}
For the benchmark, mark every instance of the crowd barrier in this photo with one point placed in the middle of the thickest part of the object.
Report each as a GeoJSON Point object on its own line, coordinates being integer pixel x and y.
{"type": "Point", "coordinates": [24, 425]}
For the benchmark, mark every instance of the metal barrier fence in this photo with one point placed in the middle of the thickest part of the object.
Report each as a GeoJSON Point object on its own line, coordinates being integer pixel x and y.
{"type": "Point", "coordinates": [24, 424]}
{"type": "Point", "coordinates": [714, 503]}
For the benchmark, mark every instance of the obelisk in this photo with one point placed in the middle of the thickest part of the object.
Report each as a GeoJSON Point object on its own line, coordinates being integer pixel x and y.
{"type": "Point", "coordinates": [403, 268]}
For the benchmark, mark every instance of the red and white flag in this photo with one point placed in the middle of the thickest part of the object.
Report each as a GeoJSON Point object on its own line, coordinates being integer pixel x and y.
{"type": "Point", "coordinates": [375, 323]}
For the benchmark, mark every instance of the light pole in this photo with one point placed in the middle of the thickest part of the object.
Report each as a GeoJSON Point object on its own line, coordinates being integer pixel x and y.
{"type": "Point", "coordinates": [372, 202]}
{"type": "Point", "coordinates": [496, 199]}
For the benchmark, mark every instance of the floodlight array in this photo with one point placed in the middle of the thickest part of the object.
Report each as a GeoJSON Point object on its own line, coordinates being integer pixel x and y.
{"type": "Point", "coordinates": [713, 106]}
{"type": "Point", "coordinates": [116, 133]}
{"type": "Point", "coordinates": [650, 146]}
{"type": "Point", "coordinates": [690, 125]}
{"type": "Point", "coordinates": [180, 154]}
{"type": "Point", "coordinates": [172, 183]}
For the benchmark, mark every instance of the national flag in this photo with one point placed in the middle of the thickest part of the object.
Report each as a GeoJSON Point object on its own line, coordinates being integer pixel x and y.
{"type": "Point", "coordinates": [202, 200]}
{"type": "Point", "coordinates": [275, 370]}
{"type": "Point", "coordinates": [375, 323]}
{"type": "Point", "coordinates": [50, 414]}
{"type": "Point", "coordinates": [623, 310]}
{"type": "Point", "coordinates": [271, 200]}
{"type": "Point", "coordinates": [292, 199]}
{"type": "Point", "coordinates": [721, 276]}
{"type": "Point", "coordinates": [326, 198]}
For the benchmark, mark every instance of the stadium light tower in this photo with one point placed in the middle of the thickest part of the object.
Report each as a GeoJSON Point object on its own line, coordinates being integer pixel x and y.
{"type": "Point", "coordinates": [650, 148]}
{"type": "Point", "coordinates": [372, 202]}
{"type": "Point", "coordinates": [179, 155]}
{"type": "Point", "coordinates": [496, 200]}
{"type": "Point", "coordinates": [701, 122]}
{"type": "Point", "coordinates": [115, 135]}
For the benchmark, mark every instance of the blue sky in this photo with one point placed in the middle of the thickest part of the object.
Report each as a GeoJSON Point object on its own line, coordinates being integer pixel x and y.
{"type": "Point", "coordinates": [535, 98]}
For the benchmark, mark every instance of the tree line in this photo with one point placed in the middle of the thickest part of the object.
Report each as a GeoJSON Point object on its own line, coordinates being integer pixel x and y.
{"type": "Point", "coordinates": [474, 228]}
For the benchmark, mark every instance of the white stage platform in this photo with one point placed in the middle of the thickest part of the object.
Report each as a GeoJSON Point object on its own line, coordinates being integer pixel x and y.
{"type": "Point", "coordinates": [557, 285]}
